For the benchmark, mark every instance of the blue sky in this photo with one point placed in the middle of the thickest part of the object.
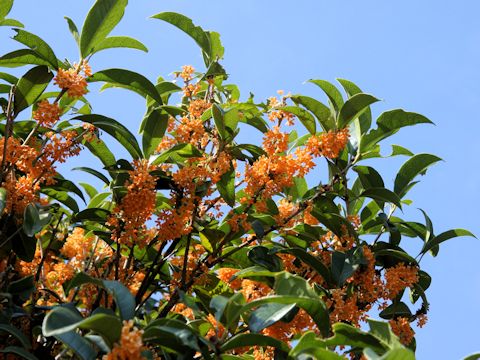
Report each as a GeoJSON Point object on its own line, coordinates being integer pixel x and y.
{"type": "Point", "coordinates": [422, 56]}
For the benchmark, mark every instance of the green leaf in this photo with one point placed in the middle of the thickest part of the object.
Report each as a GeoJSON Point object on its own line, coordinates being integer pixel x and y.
{"type": "Point", "coordinates": [400, 150]}
{"type": "Point", "coordinates": [129, 80]}
{"type": "Point", "coordinates": [369, 177]}
{"type": "Point", "coordinates": [62, 319]}
{"type": "Point", "coordinates": [314, 307]}
{"type": "Point", "coordinates": [115, 129]}
{"type": "Point", "coordinates": [312, 261]}
{"type": "Point", "coordinates": [122, 296]}
{"type": "Point", "coordinates": [154, 127]}
{"type": "Point", "coordinates": [475, 356]}
{"type": "Point", "coordinates": [73, 29]}
{"type": "Point", "coordinates": [218, 117]}
{"type": "Point", "coordinates": [447, 235]}
{"type": "Point", "coordinates": [334, 96]}
{"type": "Point", "coordinates": [91, 214]}
{"type": "Point", "coordinates": [3, 199]}
{"type": "Point", "coordinates": [30, 86]}
{"type": "Point", "coordinates": [321, 112]}
{"type": "Point", "coordinates": [342, 267]}
{"type": "Point", "coordinates": [179, 153]}
{"type": "Point", "coordinates": [383, 195]}
{"type": "Point", "coordinates": [226, 187]}
{"type": "Point", "coordinates": [19, 351]}
{"type": "Point", "coordinates": [348, 335]}
{"type": "Point", "coordinates": [36, 44]}
{"type": "Point", "coordinates": [62, 197]}
{"type": "Point", "coordinates": [172, 334]}
{"type": "Point", "coordinates": [354, 107]}
{"type": "Point", "coordinates": [20, 336]}
{"type": "Point", "coordinates": [242, 340]}
{"type": "Point", "coordinates": [81, 346]}
{"type": "Point", "coordinates": [95, 173]}
{"type": "Point", "coordinates": [5, 7]}
{"type": "Point", "coordinates": [11, 22]}
{"type": "Point", "coordinates": [8, 78]}
{"type": "Point", "coordinates": [100, 21]}
{"type": "Point", "coordinates": [120, 42]}
{"type": "Point", "coordinates": [185, 24]}
{"type": "Point", "coordinates": [414, 166]}
{"type": "Point", "coordinates": [262, 256]}
{"type": "Point", "coordinates": [388, 124]}
{"type": "Point", "coordinates": [22, 57]}
{"type": "Point", "coordinates": [304, 116]}
{"type": "Point", "coordinates": [267, 315]}
{"type": "Point", "coordinates": [394, 310]}
{"type": "Point", "coordinates": [31, 220]}
{"type": "Point", "coordinates": [102, 152]}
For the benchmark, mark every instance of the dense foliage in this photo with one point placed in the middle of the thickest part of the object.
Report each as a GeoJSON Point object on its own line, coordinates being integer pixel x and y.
{"type": "Point", "coordinates": [199, 246]}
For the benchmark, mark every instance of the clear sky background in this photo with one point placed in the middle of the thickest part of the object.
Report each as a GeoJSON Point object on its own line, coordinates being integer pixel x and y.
{"type": "Point", "coordinates": [422, 56]}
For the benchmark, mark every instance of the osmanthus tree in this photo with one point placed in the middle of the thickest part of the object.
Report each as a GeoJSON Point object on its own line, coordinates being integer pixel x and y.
{"type": "Point", "coordinates": [199, 246]}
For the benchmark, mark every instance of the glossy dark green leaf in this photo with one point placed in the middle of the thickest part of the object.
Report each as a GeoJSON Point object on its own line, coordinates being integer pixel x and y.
{"type": "Point", "coordinates": [348, 335]}
{"type": "Point", "coordinates": [388, 124]}
{"type": "Point", "coordinates": [22, 57]}
{"type": "Point", "coordinates": [312, 261]}
{"type": "Point", "coordinates": [129, 80]}
{"type": "Point", "coordinates": [92, 214]}
{"type": "Point", "coordinates": [67, 185]}
{"type": "Point", "coordinates": [342, 267]}
{"type": "Point", "coordinates": [81, 346]}
{"type": "Point", "coordinates": [122, 296]}
{"type": "Point", "coordinates": [267, 315]}
{"type": "Point", "coordinates": [63, 197]}
{"type": "Point", "coordinates": [305, 117]}
{"type": "Point", "coordinates": [99, 149]}
{"type": "Point", "coordinates": [262, 256]}
{"type": "Point", "coordinates": [321, 112]}
{"type": "Point", "coordinates": [100, 21]}
{"type": "Point", "coordinates": [115, 129]}
{"type": "Point", "coordinates": [31, 220]}
{"type": "Point", "coordinates": [185, 24]}
{"type": "Point", "coordinates": [226, 187]}
{"type": "Point", "coordinates": [354, 107]}
{"type": "Point", "coordinates": [369, 177]}
{"type": "Point", "coordinates": [16, 333]}
{"type": "Point", "coordinates": [95, 173]}
{"type": "Point", "coordinates": [38, 45]}
{"type": "Point", "coordinates": [414, 166]}
{"type": "Point", "coordinates": [242, 340]}
{"type": "Point", "coordinates": [447, 235]}
{"type": "Point", "coordinates": [383, 195]}
{"type": "Point", "coordinates": [172, 334]}
{"type": "Point", "coordinates": [120, 42]}
{"type": "Point", "coordinates": [154, 127]}
{"type": "Point", "coordinates": [394, 310]}
{"type": "Point", "coordinates": [23, 287]}
{"type": "Point", "coordinates": [334, 96]}
{"type": "Point", "coordinates": [62, 320]}
{"type": "Point", "coordinates": [179, 153]}
{"type": "Point", "coordinates": [30, 86]}
{"type": "Point", "coordinates": [365, 119]}
{"type": "Point", "coordinates": [24, 354]}
{"type": "Point", "coordinates": [219, 118]}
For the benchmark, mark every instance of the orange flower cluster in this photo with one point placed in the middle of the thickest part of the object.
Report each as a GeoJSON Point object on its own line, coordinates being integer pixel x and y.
{"type": "Point", "coordinates": [187, 72]}
{"type": "Point", "coordinates": [276, 114]}
{"type": "Point", "coordinates": [176, 221]}
{"type": "Point", "coordinates": [72, 81]}
{"type": "Point", "coordinates": [286, 331]}
{"type": "Point", "coordinates": [136, 208]}
{"type": "Point", "coordinates": [197, 107]}
{"type": "Point", "coordinates": [218, 330]}
{"type": "Point", "coordinates": [328, 144]}
{"type": "Point", "coordinates": [130, 346]}
{"type": "Point", "coordinates": [226, 274]}
{"type": "Point", "coordinates": [401, 327]}
{"type": "Point", "coordinates": [275, 142]}
{"type": "Point", "coordinates": [194, 254]}
{"type": "Point", "coordinates": [398, 278]}
{"type": "Point", "coordinates": [47, 114]}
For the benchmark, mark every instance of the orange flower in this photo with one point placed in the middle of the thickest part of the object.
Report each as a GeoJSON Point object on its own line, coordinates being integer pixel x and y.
{"type": "Point", "coordinates": [130, 346]}
{"type": "Point", "coordinates": [71, 80]}
{"type": "Point", "coordinates": [398, 278]}
{"type": "Point", "coordinates": [275, 142]}
{"type": "Point", "coordinates": [401, 327]}
{"type": "Point", "coordinates": [187, 72]}
{"type": "Point", "coordinates": [47, 114]}
{"type": "Point", "coordinates": [226, 274]}
{"type": "Point", "coordinates": [328, 144]}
